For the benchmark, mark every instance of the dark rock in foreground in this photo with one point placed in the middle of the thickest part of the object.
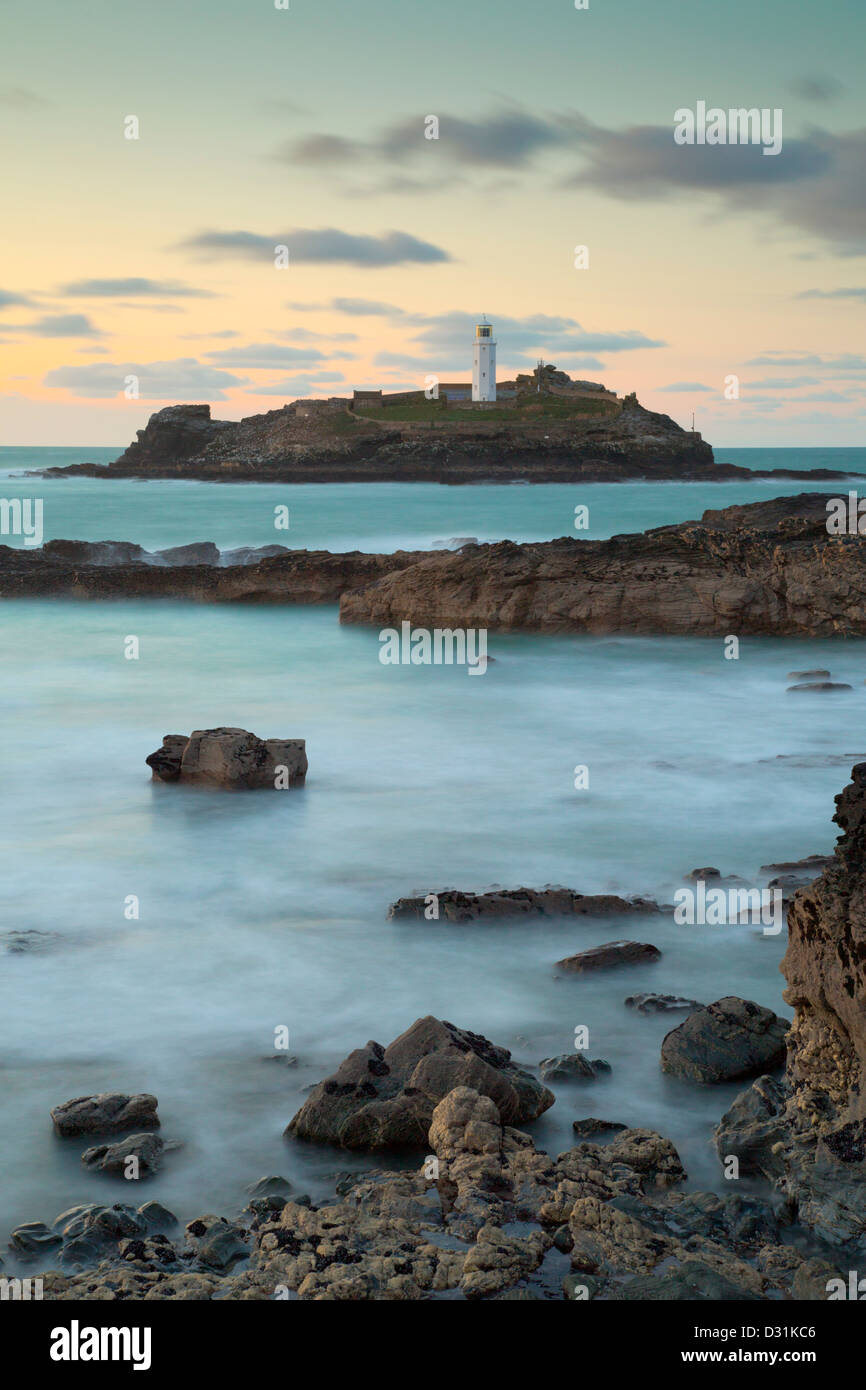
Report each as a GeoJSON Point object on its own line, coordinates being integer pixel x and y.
{"type": "Point", "coordinates": [108, 1113]}
{"type": "Point", "coordinates": [229, 758]}
{"type": "Point", "coordinates": [138, 1155]}
{"type": "Point", "coordinates": [727, 1040]}
{"type": "Point", "coordinates": [612, 953]}
{"type": "Point", "coordinates": [383, 1098]}
{"type": "Point", "coordinates": [453, 906]}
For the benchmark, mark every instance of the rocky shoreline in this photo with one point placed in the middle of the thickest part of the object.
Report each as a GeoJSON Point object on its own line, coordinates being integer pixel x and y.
{"type": "Point", "coordinates": [300, 444]}
{"type": "Point", "coordinates": [762, 568]}
{"type": "Point", "coordinates": [487, 1215]}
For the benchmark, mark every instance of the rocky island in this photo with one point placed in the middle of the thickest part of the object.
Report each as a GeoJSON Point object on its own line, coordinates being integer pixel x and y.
{"type": "Point", "coordinates": [588, 436]}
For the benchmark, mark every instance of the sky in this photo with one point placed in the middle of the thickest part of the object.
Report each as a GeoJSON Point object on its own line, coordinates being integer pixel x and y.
{"type": "Point", "coordinates": [716, 278]}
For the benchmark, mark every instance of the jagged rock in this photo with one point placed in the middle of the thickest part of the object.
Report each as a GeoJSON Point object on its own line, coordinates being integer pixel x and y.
{"type": "Point", "coordinates": [690, 1280]}
{"type": "Point", "coordinates": [145, 1149]}
{"type": "Point", "coordinates": [385, 1097]}
{"type": "Point", "coordinates": [753, 1127]}
{"type": "Point", "coordinates": [229, 758]}
{"type": "Point", "coordinates": [819, 685]}
{"type": "Point", "coordinates": [454, 906]}
{"type": "Point", "coordinates": [110, 1112]}
{"type": "Point", "coordinates": [33, 1238]}
{"type": "Point", "coordinates": [729, 1039]}
{"type": "Point", "coordinates": [610, 954]}
{"type": "Point", "coordinates": [217, 1243]}
{"type": "Point", "coordinates": [571, 1066]}
{"type": "Point", "coordinates": [590, 1125]}
{"type": "Point", "coordinates": [660, 1003]}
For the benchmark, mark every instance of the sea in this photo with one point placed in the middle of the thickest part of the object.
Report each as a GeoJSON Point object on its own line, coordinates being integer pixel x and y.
{"type": "Point", "coordinates": [162, 939]}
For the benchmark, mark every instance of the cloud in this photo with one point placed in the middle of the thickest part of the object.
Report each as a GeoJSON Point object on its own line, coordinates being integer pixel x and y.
{"type": "Point", "coordinates": [62, 326]}
{"type": "Point", "coordinates": [309, 335]}
{"type": "Point", "coordinates": [548, 335]}
{"type": "Point", "coordinates": [9, 297]}
{"type": "Point", "coordinates": [843, 361]}
{"type": "Point", "coordinates": [815, 185]}
{"type": "Point", "coordinates": [21, 97]}
{"type": "Point", "coordinates": [684, 386]}
{"type": "Point", "coordinates": [817, 87]}
{"type": "Point", "coordinates": [856, 292]}
{"type": "Point", "coordinates": [783, 383]}
{"type": "Point", "coordinates": [181, 379]}
{"type": "Point", "coordinates": [299, 385]}
{"type": "Point", "coordinates": [506, 139]}
{"type": "Point", "coordinates": [261, 356]}
{"type": "Point", "coordinates": [134, 285]}
{"type": "Point", "coordinates": [370, 307]}
{"type": "Point", "coordinates": [326, 245]}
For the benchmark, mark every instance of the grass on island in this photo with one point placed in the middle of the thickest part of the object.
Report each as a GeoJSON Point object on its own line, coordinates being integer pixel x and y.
{"type": "Point", "coordinates": [532, 410]}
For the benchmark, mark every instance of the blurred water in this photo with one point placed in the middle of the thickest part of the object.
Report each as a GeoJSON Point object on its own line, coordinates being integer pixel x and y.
{"type": "Point", "coordinates": [264, 910]}
{"type": "Point", "coordinates": [378, 516]}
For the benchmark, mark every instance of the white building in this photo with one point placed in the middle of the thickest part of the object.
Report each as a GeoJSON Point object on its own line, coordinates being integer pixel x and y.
{"type": "Point", "coordinates": [484, 363]}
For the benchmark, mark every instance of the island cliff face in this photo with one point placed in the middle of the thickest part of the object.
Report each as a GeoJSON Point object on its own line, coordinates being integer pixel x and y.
{"type": "Point", "coordinates": [303, 444]}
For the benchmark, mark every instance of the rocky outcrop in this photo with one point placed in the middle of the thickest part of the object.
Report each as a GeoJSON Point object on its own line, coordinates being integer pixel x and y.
{"type": "Point", "coordinates": [486, 1216]}
{"type": "Point", "coordinates": [786, 577]}
{"type": "Point", "coordinates": [611, 953]}
{"type": "Point", "coordinates": [104, 570]}
{"type": "Point", "coordinates": [725, 1041]}
{"type": "Point", "coordinates": [808, 1134]}
{"type": "Point", "coordinates": [572, 1066]}
{"type": "Point", "coordinates": [233, 759]}
{"type": "Point", "coordinates": [384, 1097]}
{"type": "Point", "coordinates": [107, 1113]}
{"type": "Point", "coordinates": [451, 905]}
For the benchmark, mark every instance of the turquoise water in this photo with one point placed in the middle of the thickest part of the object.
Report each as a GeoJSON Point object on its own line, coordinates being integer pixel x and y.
{"type": "Point", "coordinates": [263, 911]}
{"type": "Point", "coordinates": [378, 517]}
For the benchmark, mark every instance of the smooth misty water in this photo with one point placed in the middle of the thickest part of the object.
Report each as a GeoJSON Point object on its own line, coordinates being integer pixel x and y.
{"type": "Point", "coordinates": [380, 517]}
{"type": "Point", "coordinates": [265, 910]}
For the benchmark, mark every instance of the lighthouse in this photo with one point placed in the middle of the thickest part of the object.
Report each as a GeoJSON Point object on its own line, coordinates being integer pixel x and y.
{"type": "Point", "coordinates": [484, 363]}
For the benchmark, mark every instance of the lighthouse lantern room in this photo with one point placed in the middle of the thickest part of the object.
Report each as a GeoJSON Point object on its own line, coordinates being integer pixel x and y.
{"type": "Point", "coordinates": [484, 363]}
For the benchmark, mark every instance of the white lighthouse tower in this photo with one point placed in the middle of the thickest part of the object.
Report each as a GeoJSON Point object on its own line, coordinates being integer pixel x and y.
{"type": "Point", "coordinates": [484, 363]}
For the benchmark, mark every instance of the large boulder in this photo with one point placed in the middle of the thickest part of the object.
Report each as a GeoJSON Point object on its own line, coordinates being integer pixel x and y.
{"type": "Point", "coordinates": [384, 1097]}
{"type": "Point", "coordinates": [230, 758]}
{"type": "Point", "coordinates": [725, 1041]}
{"type": "Point", "coordinates": [110, 1112]}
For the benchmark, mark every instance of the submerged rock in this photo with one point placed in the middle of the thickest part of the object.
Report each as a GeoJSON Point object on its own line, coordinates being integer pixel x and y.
{"type": "Point", "coordinates": [229, 758]}
{"type": "Point", "coordinates": [452, 905]}
{"type": "Point", "coordinates": [137, 1155]}
{"type": "Point", "coordinates": [727, 1040]}
{"type": "Point", "coordinates": [660, 1003]}
{"type": "Point", "coordinates": [385, 1097]}
{"type": "Point", "coordinates": [819, 685]}
{"type": "Point", "coordinates": [110, 1112]}
{"type": "Point", "coordinates": [610, 954]}
{"type": "Point", "coordinates": [571, 1066]}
